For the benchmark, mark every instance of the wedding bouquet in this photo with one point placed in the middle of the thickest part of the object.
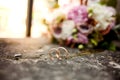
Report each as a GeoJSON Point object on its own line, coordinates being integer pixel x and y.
{"type": "Point", "coordinates": [81, 25]}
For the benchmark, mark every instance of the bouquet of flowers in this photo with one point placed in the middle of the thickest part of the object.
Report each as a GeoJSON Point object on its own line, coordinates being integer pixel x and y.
{"type": "Point", "coordinates": [82, 25]}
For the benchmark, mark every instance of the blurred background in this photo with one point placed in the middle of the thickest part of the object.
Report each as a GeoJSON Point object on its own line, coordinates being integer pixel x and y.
{"type": "Point", "coordinates": [16, 17]}
{"type": "Point", "coordinates": [23, 18]}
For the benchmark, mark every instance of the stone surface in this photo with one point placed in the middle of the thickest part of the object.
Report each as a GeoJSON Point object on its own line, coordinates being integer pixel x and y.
{"type": "Point", "coordinates": [35, 63]}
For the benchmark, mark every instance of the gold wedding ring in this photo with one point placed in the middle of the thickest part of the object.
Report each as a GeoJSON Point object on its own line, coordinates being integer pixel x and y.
{"type": "Point", "coordinates": [65, 51]}
{"type": "Point", "coordinates": [54, 50]}
{"type": "Point", "coordinates": [58, 53]}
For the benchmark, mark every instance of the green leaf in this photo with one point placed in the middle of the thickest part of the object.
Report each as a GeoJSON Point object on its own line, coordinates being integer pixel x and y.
{"type": "Point", "coordinates": [93, 41]}
{"type": "Point", "coordinates": [112, 3]}
{"type": "Point", "coordinates": [112, 47]}
{"type": "Point", "coordinates": [104, 45]}
{"type": "Point", "coordinates": [109, 46]}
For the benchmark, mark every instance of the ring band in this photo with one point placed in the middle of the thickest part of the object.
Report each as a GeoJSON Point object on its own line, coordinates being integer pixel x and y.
{"type": "Point", "coordinates": [66, 51]}
{"type": "Point", "coordinates": [57, 51]}
{"type": "Point", "coordinates": [54, 50]}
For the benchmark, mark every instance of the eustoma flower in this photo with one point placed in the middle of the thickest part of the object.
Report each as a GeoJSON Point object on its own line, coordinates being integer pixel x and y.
{"type": "Point", "coordinates": [78, 14]}
{"type": "Point", "coordinates": [65, 30]}
{"type": "Point", "coordinates": [104, 16]}
{"type": "Point", "coordinates": [61, 28]}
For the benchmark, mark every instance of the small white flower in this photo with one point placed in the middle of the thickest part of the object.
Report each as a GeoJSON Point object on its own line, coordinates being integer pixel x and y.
{"type": "Point", "coordinates": [52, 16]}
{"type": "Point", "coordinates": [93, 1]}
{"type": "Point", "coordinates": [63, 3]}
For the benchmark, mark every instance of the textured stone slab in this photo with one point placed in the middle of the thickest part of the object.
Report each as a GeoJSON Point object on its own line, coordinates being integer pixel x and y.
{"type": "Point", "coordinates": [35, 64]}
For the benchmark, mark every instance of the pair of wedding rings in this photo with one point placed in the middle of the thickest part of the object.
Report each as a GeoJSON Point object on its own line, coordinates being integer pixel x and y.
{"type": "Point", "coordinates": [58, 53]}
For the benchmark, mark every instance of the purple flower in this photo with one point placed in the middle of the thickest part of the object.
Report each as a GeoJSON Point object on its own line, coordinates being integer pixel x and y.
{"type": "Point", "coordinates": [78, 14]}
{"type": "Point", "coordinates": [80, 38]}
{"type": "Point", "coordinates": [85, 29]}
